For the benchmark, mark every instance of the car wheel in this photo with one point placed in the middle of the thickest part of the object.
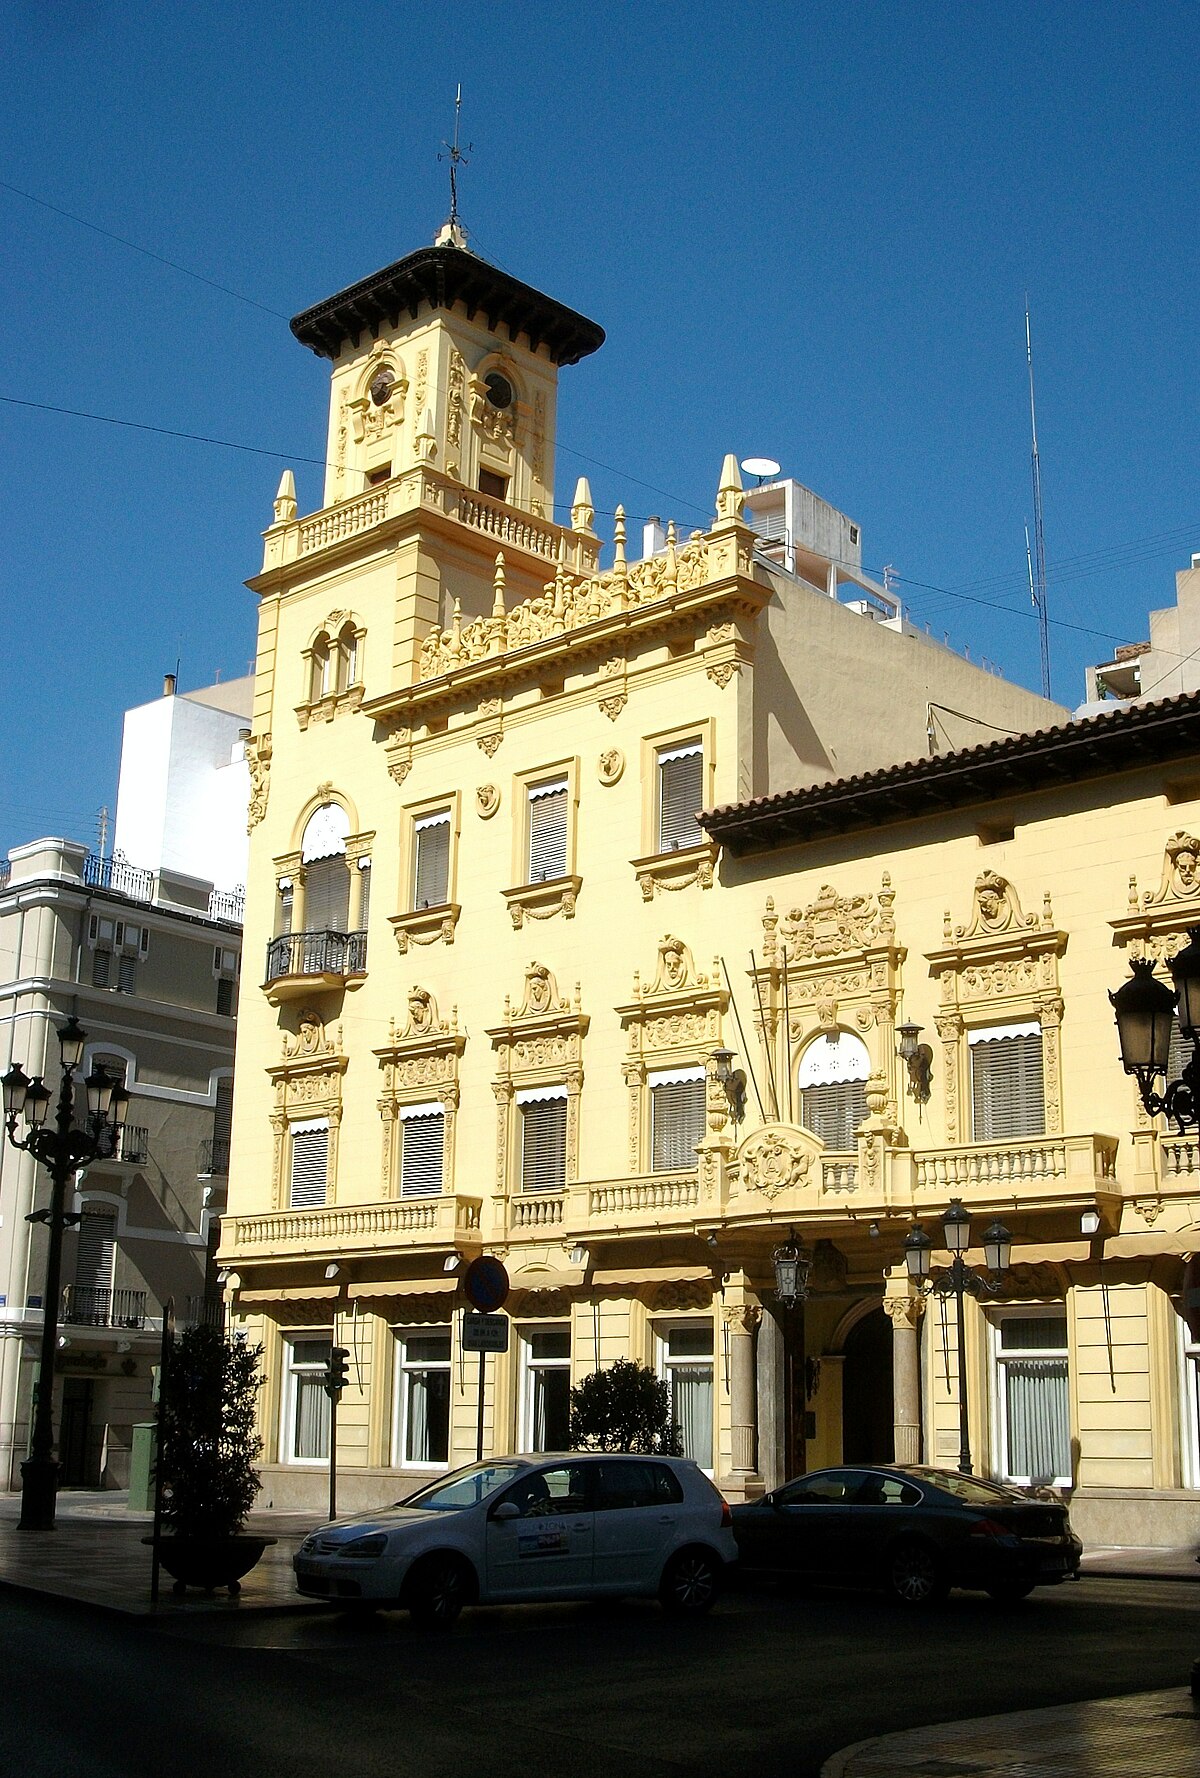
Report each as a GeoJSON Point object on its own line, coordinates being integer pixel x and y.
{"type": "Point", "coordinates": [1010, 1592]}
{"type": "Point", "coordinates": [916, 1574]}
{"type": "Point", "coordinates": [437, 1591]}
{"type": "Point", "coordinates": [690, 1583]}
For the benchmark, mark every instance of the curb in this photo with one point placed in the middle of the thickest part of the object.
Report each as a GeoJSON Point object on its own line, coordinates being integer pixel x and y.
{"type": "Point", "coordinates": [163, 1613]}
{"type": "Point", "coordinates": [835, 1765]}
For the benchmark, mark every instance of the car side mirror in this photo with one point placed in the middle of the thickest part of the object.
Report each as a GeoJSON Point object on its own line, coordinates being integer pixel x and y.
{"type": "Point", "coordinates": [505, 1512]}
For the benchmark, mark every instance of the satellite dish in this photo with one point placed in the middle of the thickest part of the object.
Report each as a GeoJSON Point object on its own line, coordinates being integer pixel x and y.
{"type": "Point", "coordinates": [760, 466]}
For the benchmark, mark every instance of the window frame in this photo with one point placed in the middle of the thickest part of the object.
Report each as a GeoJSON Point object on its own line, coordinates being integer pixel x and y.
{"type": "Point", "coordinates": [528, 1366]}
{"type": "Point", "coordinates": [700, 733]}
{"type": "Point", "coordinates": [998, 1362]}
{"type": "Point", "coordinates": [416, 1112]}
{"type": "Point", "coordinates": [552, 1093]}
{"type": "Point", "coordinates": [979, 1035]}
{"type": "Point", "coordinates": [404, 1370]}
{"type": "Point", "coordinates": [683, 1074]}
{"type": "Point", "coordinates": [301, 1127]}
{"type": "Point", "coordinates": [664, 756]}
{"type": "Point", "coordinates": [662, 1328]}
{"type": "Point", "coordinates": [293, 1373]}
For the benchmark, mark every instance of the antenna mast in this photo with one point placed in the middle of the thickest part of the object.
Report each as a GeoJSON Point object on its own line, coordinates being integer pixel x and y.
{"type": "Point", "coordinates": [1037, 584]}
{"type": "Point", "coordinates": [457, 157]}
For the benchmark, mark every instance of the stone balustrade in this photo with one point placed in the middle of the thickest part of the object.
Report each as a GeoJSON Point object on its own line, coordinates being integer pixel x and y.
{"type": "Point", "coordinates": [1035, 1160]}
{"type": "Point", "coordinates": [354, 1227]}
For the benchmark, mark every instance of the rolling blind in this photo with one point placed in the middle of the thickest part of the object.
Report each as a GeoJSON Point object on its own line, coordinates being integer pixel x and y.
{"type": "Point", "coordinates": [94, 1255]}
{"type": "Point", "coordinates": [326, 895]}
{"type": "Point", "coordinates": [548, 831]}
{"type": "Point", "coordinates": [833, 1111]}
{"type": "Point", "coordinates": [1007, 1093]}
{"type": "Point", "coordinates": [364, 911]}
{"type": "Point", "coordinates": [101, 968]}
{"type": "Point", "coordinates": [431, 874]}
{"type": "Point", "coordinates": [310, 1162]}
{"type": "Point", "coordinates": [680, 794]}
{"type": "Point", "coordinates": [676, 1119]}
{"type": "Point", "coordinates": [544, 1144]}
{"type": "Point", "coordinates": [421, 1151]}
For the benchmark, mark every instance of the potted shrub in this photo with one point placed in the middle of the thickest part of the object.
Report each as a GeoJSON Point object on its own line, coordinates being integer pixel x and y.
{"type": "Point", "coordinates": [624, 1408]}
{"type": "Point", "coordinates": [207, 1448]}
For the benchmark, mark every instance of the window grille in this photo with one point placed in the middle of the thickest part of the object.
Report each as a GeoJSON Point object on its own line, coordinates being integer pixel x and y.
{"type": "Point", "coordinates": [680, 795]}
{"type": "Point", "coordinates": [547, 831]}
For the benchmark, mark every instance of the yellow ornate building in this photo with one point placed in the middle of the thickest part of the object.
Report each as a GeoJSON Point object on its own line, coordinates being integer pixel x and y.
{"type": "Point", "coordinates": [503, 961]}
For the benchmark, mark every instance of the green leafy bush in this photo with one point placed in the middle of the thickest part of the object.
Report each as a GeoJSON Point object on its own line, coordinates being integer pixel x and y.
{"type": "Point", "coordinates": [208, 1442]}
{"type": "Point", "coordinates": [624, 1408]}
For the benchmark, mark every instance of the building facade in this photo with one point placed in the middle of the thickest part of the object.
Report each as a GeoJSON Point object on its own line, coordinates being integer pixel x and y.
{"type": "Point", "coordinates": [499, 955]}
{"type": "Point", "coordinates": [147, 958]}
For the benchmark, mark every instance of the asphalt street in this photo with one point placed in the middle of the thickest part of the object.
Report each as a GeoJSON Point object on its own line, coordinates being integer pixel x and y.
{"type": "Point", "coordinates": [772, 1683]}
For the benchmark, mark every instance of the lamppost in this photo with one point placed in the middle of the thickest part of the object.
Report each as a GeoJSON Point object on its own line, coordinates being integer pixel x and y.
{"type": "Point", "coordinates": [957, 1280]}
{"type": "Point", "coordinates": [62, 1149]}
{"type": "Point", "coordinates": [1146, 1012]}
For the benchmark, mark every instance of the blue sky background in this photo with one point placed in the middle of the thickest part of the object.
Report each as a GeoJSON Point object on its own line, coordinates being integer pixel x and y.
{"type": "Point", "coordinates": [808, 231]}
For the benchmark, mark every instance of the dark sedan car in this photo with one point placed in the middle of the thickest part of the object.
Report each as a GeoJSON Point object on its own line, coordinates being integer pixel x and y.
{"type": "Point", "coordinates": [915, 1531]}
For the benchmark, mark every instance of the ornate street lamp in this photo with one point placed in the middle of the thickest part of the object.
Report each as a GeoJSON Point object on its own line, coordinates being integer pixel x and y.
{"type": "Point", "coordinates": [1147, 1011]}
{"type": "Point", "coordinates": [918, 1058]}
{"type": "Point", "coordinates": [957, 1280]}
{"type": "Point", "coordinates": [63, 1149]}
{"type": "Point", "coordinates": [793, 1263]}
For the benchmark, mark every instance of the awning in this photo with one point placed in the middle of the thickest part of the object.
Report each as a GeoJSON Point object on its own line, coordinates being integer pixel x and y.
{"type": "Point", "coordinates": [287, 1293]}
{"type": "Point", "coordinates": [635, 1275]}
{"type": "Point", "coordinates": [571, 1279]}
{"type": "Point", "coordinates": [444, 1284]}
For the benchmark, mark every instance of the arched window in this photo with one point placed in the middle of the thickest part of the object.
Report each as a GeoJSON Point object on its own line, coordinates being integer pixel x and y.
{"type": "Point", "coordinates": [320, 681]}
{"type": "Point", "coordinates": [347, 657]}
{"type": "Point", "coordinates": [833, 1088]}
{"type": "Point", "coordinates": [326, 877]}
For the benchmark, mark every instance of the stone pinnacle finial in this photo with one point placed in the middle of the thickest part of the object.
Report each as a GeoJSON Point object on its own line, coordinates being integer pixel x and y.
{"type": "Point", "coordinates": [285, 499]}
{"type": "Point", "coordinates": [498, 586]}
{"type": "Point", "coordinates": [730, 495]}
{"type": "Point", "coordinates": [425, 441]}
{"type": "Point", "coordinates": [583, 513]}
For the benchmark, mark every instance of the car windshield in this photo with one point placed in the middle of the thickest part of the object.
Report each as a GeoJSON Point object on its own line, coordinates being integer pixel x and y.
{"type": "Point", "coordinates": [466, 1487]}
{"type": "Point", "coordinates": [971, 1488]}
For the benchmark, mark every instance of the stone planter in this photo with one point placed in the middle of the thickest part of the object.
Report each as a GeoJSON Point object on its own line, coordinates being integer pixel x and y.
{"type": "Point", "coordinates": [209, 1562]}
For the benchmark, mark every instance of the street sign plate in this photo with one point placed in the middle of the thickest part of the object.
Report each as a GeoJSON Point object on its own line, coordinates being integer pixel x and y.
{"type": "Point", "coordinates": [485, 1333]}
{"type": "Point", "coordinates": [485, 1283]}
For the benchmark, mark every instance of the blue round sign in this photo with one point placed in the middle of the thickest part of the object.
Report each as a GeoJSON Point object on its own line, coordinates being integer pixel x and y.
{"type": "Point", "coordinates": [485, 1283]}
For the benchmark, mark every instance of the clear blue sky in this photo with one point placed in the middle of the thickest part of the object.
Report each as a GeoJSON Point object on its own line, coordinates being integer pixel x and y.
{"type": "Point", "coordinates": [808, 231]}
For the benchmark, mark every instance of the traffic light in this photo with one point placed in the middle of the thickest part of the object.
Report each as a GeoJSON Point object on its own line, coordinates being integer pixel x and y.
{"type": "Point", "coordinates": [337, 1373]}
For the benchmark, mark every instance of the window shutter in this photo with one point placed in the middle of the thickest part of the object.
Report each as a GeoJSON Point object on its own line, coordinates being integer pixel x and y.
{"type": "Point", "coordinates": [97, 1245]}
{"type": "Point", "coordinates": [327, 895]}
{"type": "Point", "coordinates": [126, 975]}
{"type": "Point", "coordinates": [431, 876]}
{"type": "Point", "coordinates": [310, 1162]}
{"type": "Point", "coordinates": [223, 1113]}
{"type": "Point", "coordinates": [680, 794]}
{"type": "Point", "coordinates": [544, 1145]}
{"type": "Point", "coordinates": [364, 910]}
{"type": "Point", "coordinates": [833, 1111]}
{"type": "Point", "coordinates": [1179, 1054]}
{"type": "Point", "coordinates": [548, 832]}
{"type": "Point", "coordinates": [422, 1149]}
{"type": "Point", "coordinates": [1007, 1093]}
{"type": "Point", "coordinates": [676, 1122]}
{"type": "Point", "coordinates": [101, 965]}
{"type": "Point", "coordinates": [285, 910]}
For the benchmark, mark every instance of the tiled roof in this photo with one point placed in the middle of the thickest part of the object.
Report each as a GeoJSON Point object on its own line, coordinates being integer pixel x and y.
{"type": "Point", "coordinates": [1095, 747]}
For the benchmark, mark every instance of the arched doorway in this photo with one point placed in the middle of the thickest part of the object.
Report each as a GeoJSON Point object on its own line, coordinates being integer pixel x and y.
{"type": "Point", "coordinates": [867, 1433]}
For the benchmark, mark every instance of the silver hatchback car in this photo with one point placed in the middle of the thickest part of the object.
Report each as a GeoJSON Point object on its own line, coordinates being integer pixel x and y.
{"type": "Point", "coordinates": [579, 1526]}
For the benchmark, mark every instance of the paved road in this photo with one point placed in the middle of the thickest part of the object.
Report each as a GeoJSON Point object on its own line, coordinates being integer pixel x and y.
{"type": "Point", "coordinates": [772, 1683]}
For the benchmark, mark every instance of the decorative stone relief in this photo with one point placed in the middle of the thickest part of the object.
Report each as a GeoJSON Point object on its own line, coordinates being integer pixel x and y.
{"type": "Point", "coordinates": [258, 760]}
{"type": "Point", "coordinates": [487, 801]}
{"type": "Point", "coordinates": [307, 1082]}
{"type": "Point", "coordinates": [692, 1294]}
{"type": "Point", "coordinates": [420, 1060]}
{"type": "Point", "coordinates": [538, 1042]}
{"type": "Point", "coordinates": [775, 1160]}
{"type": "Point", "coordinates": [833, 924]}
{"type": "Point", "coordinates": [610, 766]}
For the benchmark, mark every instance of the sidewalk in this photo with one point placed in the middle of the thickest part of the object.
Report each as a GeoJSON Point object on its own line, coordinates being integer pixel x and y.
{"type": "Point", "coordinates": [1149, 1735]}
{"type": "Point", "coordinates": [96, 1555]}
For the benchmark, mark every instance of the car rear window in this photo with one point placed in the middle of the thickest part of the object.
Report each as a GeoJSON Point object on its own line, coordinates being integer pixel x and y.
{"type": "Point", "coordinates": [971, 1488]}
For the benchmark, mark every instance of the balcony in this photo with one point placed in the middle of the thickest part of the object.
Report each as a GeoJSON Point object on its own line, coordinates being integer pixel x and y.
{"type": "Point", "coordinates": [1038, 1169]}
{"type": "Point", "coordinates": [86, 1307]}
{"type": "Point", "coordinates": [300, 963]}
{"type": "Point", "coordinates": [131, 1148]}
{"type": "Point", "coordinates": [119, 876]}
{"type": "Point", "coordinates": [213, 1157]}
{"type": "Point", "coordinates": [227, 904]}
{"type": "Point", "coordinates": [401, 1224]}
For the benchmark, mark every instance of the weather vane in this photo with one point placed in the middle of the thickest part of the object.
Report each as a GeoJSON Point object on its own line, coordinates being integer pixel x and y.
{"type": "Point", "coordinates": [457, 157]}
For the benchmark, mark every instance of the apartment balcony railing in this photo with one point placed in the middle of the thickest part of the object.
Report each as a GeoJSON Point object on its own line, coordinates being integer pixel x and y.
{"type": "Point", "coordinates": [203, 1311]}
{"type": "Point", "coordinates": [437, 1220]}
{"type": "Point", "coordinates": [132, 1146]}
{"type": "Point", "coordinates": [5, 872]}
{"type": "Point", "coordinates": [299, 956]}
{"type": "Point", "coordinates": [118, 875]}
{"type": "Point", "coordinates": [87, 1307]}
{"type": "Point", "coordinates": [1055, 1161]}
{"type": "Point", "coordinates": [213, 1156]}
{"type": "Point", "coordinates": [227, 904]}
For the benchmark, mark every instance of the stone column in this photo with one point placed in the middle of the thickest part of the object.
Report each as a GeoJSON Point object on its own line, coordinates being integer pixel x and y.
{"type": "Point", "coordinates": [741, 1322]}
{"type": "Point", "coordinates": [904, 1308]}
{"type": "Point", "coordinates": [772, 1407]}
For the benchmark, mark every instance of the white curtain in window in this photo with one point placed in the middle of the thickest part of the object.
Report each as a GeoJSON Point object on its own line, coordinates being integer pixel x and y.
{"type": "Point", "coordinates": [312, 1417]}
{"type": "Point", "coordinates": [1039, 1439]}
{"type": "Point", "coordinates": [692, 1410]}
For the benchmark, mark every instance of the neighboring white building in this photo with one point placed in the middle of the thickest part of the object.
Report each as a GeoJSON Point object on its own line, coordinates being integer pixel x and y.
{"type": "Point", "coordinates": [1163, 667]}
{"type": "Point", "coordinates": [144, 948]}
{"type": "Point", "coordinates": [181, 801]}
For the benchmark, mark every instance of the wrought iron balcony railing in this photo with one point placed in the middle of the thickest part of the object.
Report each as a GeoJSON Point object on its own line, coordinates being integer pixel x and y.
{"type": "Point", "coordinates": [86, 1307]}
{"type": "Point", "coordinates": [214, 1155]}
{"type": "Point", "coordinates": [316, 953]}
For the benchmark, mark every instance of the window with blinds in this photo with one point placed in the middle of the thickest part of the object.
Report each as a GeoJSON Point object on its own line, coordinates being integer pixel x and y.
{"type": "Point", "coordinates": [676, 1119]}
{"type": "Point", "coordinates": [543, 1143]}
{"type": "Point", "coordinates": [833, 1111]}
{"type": "Point", "coordinates": [422, 1147]}
{"type": "Point", "coordinates": [102, 962]}
{"type": "Point", "coordinates": [680, 795]}
{"type": "Point", "coordinates": [431, 860]}
{"type": "Point", "coordinates": [283, 923]}
{"type": "Point", "coordinates": [1007, 1091]}
{"type": "Point", "coordinates": [326, 895]}
{"type": "Point", "coordinates": [310, 1165]}
{"type": "Point", "coordinates": [547, 850]}
{"type": "Point", "coordinates": [96, 1249]}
